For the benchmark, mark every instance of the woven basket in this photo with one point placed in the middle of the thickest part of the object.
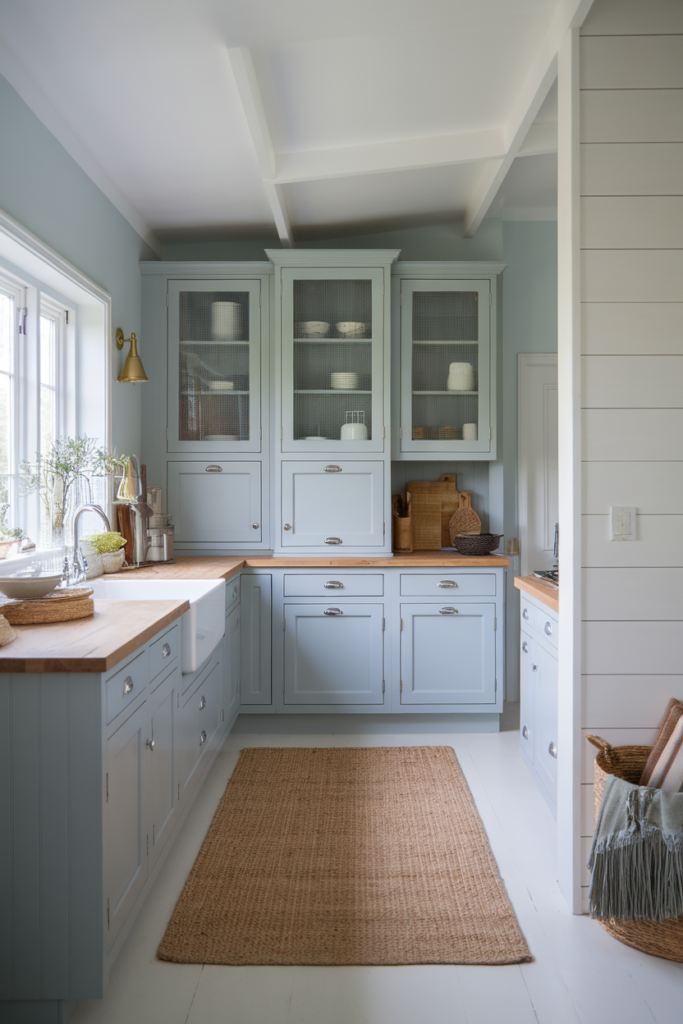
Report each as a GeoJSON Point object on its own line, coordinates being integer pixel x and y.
{"type": "Point", "coordinates": [660, 938]}
{"type": "Point", "coordinates": [476, 544]}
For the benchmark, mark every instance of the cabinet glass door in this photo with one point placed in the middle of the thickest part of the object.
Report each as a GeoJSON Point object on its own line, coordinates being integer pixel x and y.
{"type": "Point", "coordinates": [445, 357]}
{"type": "Point", "coordinates": [332, 374]}
{"type": "Point", "coordinates": [214, 366]}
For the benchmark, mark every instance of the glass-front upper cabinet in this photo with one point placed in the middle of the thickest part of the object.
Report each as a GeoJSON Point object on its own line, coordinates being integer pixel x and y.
{"type": "Point", "coordinates": [445, 367]}
{"type": "Point", "coordinates": [332, 359]}
{"type": "Point", "coordinates": [214, 366]}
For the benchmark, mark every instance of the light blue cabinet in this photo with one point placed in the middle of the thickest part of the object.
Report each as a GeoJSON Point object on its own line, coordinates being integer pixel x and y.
{"type": "Point", "coordinates": [337, 505]}
{"type": "Point", "coordinates": [255, 632]}
{"type": "Point", "coordinates": [539, 694]}
{"type": "Point", "coordinates": [161, 760]}
{"type": "Point", "coordinates": [334, 654]}
{"type": "Point", "coordinates": [215, 503]}
{"type": "Point", "coordinates": [448, 653]}
{"type": "Point", "coordinates": [232, 663]}
{"type": "Point", "coordinates": [198, 720]}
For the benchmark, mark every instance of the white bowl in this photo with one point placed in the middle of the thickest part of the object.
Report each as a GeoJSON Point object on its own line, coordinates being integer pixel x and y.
{"type": "Point", "coordinates": [313, 329]}
{"type": "Point", "coordinates": [351, 328]}
{"type": "Point", "coordinates": [26, 588]}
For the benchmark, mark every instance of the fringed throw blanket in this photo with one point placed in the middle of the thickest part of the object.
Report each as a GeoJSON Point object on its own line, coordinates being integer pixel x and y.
{"type": "Point", "coordinates": [637, 854]}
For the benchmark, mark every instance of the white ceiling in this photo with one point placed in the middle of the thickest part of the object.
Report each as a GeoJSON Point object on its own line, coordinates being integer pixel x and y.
{"type": "Point", "coordinates": [203, 118]}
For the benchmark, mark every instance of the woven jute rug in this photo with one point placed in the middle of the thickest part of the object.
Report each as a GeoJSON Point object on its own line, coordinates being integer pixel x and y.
{"type": "Point", "coordinates": [345, 856]}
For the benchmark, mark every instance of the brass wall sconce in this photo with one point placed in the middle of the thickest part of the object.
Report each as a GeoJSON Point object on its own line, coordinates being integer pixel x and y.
{"type": "Point", "coordinates": [133, 371]}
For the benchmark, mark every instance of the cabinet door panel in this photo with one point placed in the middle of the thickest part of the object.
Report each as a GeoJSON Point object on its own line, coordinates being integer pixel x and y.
{"type": "Point", "coordinates": [448, 657]}
{"type": "Point", "coordinates": [334, 655]}
{"type": "Point", "coordinates": [199, 718]}
{"type": "Point", "coordinates": [338, 501]}
{"type": "Point", "coordinates": [125, 841]}
{"type": "Point", "coordinates": [445, 340]}
{"type": "Point", "coordinates": [160, 762]}
{"type": "Point", "coordinates": [215, 502]}
{"type": "Point", "coordinates": [233, 661]}
{"type": "Point", "coordinates": [527, 697]}
{"type": "Point", "coordinates": [546, 719]}
{"type": "Point", "coordinates": [255, 607]}
{"type": "Point", "coordinates": [214, 366]}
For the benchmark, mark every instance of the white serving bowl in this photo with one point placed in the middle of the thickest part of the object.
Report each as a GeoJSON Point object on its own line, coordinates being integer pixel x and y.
{"type": "Point", "coordinates": [313, 329]}
{"type": "Point", "coordinates": [26, 588]}
{"type": "Point", "coordinates": [351, 328]}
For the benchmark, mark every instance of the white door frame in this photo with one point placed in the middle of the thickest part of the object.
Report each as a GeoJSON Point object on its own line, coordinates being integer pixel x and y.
{"type": "Point", "coordinates": [536, 461]}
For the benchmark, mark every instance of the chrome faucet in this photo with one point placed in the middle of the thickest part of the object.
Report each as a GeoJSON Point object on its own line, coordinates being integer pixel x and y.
{"type": "Point", "coordinates": [79, 566]}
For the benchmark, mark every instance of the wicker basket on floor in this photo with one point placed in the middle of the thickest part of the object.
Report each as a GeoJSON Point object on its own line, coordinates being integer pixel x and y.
{"type": "Point", "coordinates": [660, 938]}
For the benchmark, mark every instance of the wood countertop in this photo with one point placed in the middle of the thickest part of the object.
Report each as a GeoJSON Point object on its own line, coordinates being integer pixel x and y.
{"type": "Point", "coordinates": [95, 644]}
{"type": "Point", "coordinates": [215, 568]}
{"type": "Point", "coordinates": [542, 591]}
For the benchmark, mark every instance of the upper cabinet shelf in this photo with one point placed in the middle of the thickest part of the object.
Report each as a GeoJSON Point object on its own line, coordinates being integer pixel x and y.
{"type": "Point", "coordinates": [214, 366]}
{"type": "Point", "coordinates": [443, 335]}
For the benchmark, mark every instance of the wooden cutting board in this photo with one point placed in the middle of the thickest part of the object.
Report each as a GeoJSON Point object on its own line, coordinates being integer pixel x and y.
{"type": "Point", "coordinates": [443, 491]}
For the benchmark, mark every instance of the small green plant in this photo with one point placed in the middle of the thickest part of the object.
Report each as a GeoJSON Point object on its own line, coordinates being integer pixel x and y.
{"type": "Point", "coordinates": [105, 543]}
{"type": "Point", "coordinates": [6, 531]}
{"type": "Point", "coordinates": [66, 460]}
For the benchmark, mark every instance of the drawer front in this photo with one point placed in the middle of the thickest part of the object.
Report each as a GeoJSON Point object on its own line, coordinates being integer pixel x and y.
{"type": "Point", "coordinates": [539, 622]}
{"type": "Point", "coordinates": [199, 718]}
{"type": "Point", "coordinates": [340, 584]}
{"type": "Point", "coordinates": [125, 686]}
{"type": "Point", "coordinates": [232, 593]}
{"type": "Point", "coordinates": [443, 584]}
{"type": "Point", "coordinates": [163, 652]}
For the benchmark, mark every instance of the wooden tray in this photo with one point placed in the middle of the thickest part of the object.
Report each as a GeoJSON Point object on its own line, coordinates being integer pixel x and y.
{"type": "Point", "coordinates": [60, 606]}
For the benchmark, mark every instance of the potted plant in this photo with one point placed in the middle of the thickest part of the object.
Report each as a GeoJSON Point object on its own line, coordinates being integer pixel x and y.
{"type": "Point", "coordinates": [8, 535]}
{"type": "Point", "coordinates": [67, 460]}
{"type": "Point", "coordinates": [110, 547]}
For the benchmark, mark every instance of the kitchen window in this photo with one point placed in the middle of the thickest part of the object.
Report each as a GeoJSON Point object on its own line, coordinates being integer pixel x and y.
{"type": "Point", "coordinates": [33, 394]}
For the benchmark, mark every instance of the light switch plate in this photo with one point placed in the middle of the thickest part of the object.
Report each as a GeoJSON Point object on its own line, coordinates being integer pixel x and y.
{"type": "Point", "coordinates": [622, 522]}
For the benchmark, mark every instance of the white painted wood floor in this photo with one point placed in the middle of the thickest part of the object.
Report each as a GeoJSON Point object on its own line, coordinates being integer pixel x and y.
{"type": "Point", "coordinates": [580, 973]}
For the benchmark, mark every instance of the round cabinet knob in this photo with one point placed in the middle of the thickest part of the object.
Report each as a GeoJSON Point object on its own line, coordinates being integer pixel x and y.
{"type": "Point", "coordinates": [202, 704]}
{"type": "Point", "coordinates": [202, 738]}
{"type": "Point", "coordinates": [525, 614]}
{"type": "Point", "coordinates": [525, 733]}
{"type": "Point", "coordinates": [254, 526]}
{"type": "Point", "coordinates": [287, 526]}
{"type": "Point", "coordinates": [548, 629]}
{"type": "Point", "coordinates": [535, 668]}
{"type": "Point", "coordinates": [525, 647]}
{"type": "Point", "coordinates": [165, 650]}
{"type": "Point", "coordinates": [552, 750]}
{"type": "Point", "coordinates": [150, 744]}
{"type": "Point", "coordinates": [127, 685]}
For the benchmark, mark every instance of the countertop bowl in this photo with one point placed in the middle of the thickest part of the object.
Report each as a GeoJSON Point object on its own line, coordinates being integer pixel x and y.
{"type": "Point", "coordinates": [476, 543]}
{"type": "Point", "coordinates": [27, 588]}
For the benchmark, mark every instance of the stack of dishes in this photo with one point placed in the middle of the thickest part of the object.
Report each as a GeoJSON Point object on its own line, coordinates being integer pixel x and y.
{"type": "Point", "coordinates": [344, 381]}
{"type": "Point", "coordinates": [221, 385]}
{"type": "Point", "coordinates": [351, 329]}
{"type": "Point", "coordinates": [312, 329]}
{"type": "Point", "coordinates": [226, 321]}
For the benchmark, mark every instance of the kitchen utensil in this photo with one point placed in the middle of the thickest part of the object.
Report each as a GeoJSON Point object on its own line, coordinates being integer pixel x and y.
{"type": "Point", "coordinates": [477, 544]}
{"type": "Point", "coordinates": [22, 588]}
{"type": "Point", "coordinates": [155, 498]}
{"type": "Point", "coordinates": [160, 543]}
{"type": "Point", "coordinates": [402, 524]}
{"type": "Point", "coordinates": [351, 329]}
{"type": "Point", "coordinates": [221, 385]}
{"type": "Point", "coordinates": [226, 320]}
{"type": "Point", "coordinates": [60, 606]}
{"type": "Point", "coordinates": [460, 377]}
{"type": "Point", "coordinates": [354, 429]}
{"type": "Point", "coordinates": [344, 381]}
{"type": "Point", "coordinates": [313, 329]}
{"type": "Point", "coordinates": [470, 432]}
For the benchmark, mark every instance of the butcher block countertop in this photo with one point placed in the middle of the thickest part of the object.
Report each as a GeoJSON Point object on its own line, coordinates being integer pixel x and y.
{"type": "Point", "coordinates": [543, 592]}
{"type": "Point", "coordinates": [199, 568]}
{"type": "Point", "coordinates": [95, 644]}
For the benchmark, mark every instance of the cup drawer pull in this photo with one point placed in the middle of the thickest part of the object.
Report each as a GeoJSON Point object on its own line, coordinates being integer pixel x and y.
{"type": "Point", "coordinates": [447, 583]}
{"type": "Point", "coordinates": [214, 469]}
{"type": "Point", "coordinates": [333, 469]}
{"type": "Point", "coordinates": [333, 585]}
{"type": "Point", "coordinates": [333, 540]}
{"type": "Point", "coordinates": [127, 685]}
{"type": "Point", "coordinates": [448, 611]}
{"type": "Point", "coordinates": [333, 611]}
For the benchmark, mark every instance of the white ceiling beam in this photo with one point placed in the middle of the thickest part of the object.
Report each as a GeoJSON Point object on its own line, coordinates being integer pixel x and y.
{"type": "Point", "coordinates": [542, 74]}
{"type": "Point", "coordinates": [252, 103]}
{"type": "Point", "coordinates": [382, 157]}
{"type": "Point", "coordinates": [540, 139]}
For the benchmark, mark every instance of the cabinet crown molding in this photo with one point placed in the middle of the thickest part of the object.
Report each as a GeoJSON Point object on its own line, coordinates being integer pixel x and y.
{"type": "Point", "coordinates": [332, 257]}
{"type": "Point", "coordinates": [446, 268]}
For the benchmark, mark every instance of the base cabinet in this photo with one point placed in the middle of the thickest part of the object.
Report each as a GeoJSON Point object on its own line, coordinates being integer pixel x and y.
{"type": "Point", "coordinates": [232, 664]}
{"type": "Point", "coordinates": [448, 654]}
{"type": "Point", "coordinates": [198, 720]}
{"type": "Point", "coordinates": [256, 640]}
{"type": "Point", "coordinates": [161, 756]}
{"type": "Point", "coordinates": [334, 654]}
{"type": "Point", "coordinates": [538, 695]}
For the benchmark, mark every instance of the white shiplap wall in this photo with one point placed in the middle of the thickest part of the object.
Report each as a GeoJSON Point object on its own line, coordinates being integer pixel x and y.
{"type": "Point", "coordinates": [631, 174]}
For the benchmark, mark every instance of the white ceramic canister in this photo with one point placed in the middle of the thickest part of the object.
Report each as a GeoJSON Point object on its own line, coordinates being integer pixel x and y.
{"type": "Point", "coordinates": [226, 320]}
{"type": "Point", "coordinates": [94, 560]}
{"type": "Point", "coordinates": [469, 432]}
{"type": "Point", "coordinates": [460, 377]}
{"type": "Point", "coordinates": [112, 561]}
{"type": "Point", "coordinates": [354, 432]}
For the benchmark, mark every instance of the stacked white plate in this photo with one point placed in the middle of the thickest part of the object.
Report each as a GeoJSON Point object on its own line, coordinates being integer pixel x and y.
{"type": "Point", "coordinates": [226, 320]}
{"type": "Point", "coordinates": [344, 381]}
{"type": "Point", "coordinates": [221, 385]}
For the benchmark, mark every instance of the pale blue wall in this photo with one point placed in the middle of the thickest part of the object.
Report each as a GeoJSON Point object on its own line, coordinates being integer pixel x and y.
{"type": "Point", "coordinates": [43, 188]}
